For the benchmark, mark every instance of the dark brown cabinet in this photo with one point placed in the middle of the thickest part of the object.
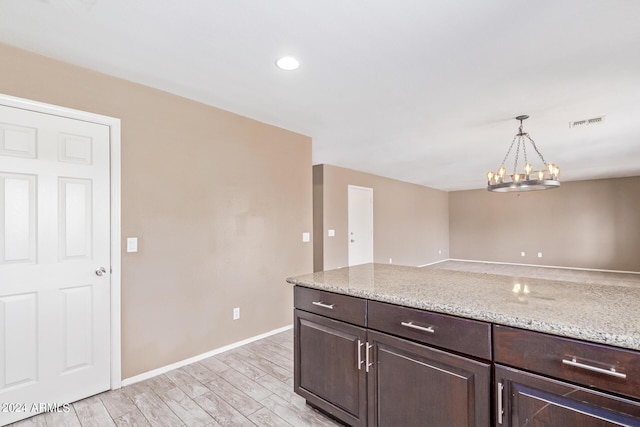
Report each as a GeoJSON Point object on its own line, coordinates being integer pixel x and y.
{"type": "Point", "coordinates": [369, 363]}
{"type": "Point", "coordinates": [411, 384]}
{"type": "Point", "coordinates": [525, 399]}
{"type": "Point", "coordinates": [570, 383]}
{"type": "Point", "coordinates": [327, 372]}
{"type": "Point", "coordinates": [370, 378]}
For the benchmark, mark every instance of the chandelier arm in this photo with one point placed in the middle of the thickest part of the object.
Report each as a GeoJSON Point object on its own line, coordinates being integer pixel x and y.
{"type": "Point", "coordinates": [535, 147]}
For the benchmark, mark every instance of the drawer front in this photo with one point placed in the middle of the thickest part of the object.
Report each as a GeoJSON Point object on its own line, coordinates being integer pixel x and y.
{"type": "Point", "coordinates": [336, 306]}
{"type": "Point", "coordinates": [606, 368]}
{"type": "Point", "coordinates": [449, 332]}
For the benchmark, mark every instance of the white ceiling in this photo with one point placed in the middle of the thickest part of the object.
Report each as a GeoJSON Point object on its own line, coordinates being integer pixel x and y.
{"type": "Point", "coordinates": [418, 90]}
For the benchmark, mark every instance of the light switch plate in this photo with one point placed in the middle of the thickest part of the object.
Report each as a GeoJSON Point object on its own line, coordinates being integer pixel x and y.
{"type": "Point", "coordinates": [132, 244]}
{"type": "Point", "coordinates": [306, 237]}
{"type": "Point", "coordinates": [332, 233]}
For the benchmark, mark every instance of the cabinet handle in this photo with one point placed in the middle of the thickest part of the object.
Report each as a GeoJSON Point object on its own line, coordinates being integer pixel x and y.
{"type": "Point", "coordinates": [367, 365]}
{"type": "Point", "coordinates": [612, 372]}
{"type": "Point", "coordinates": [360, 344]}
{"type": "Point", "coordinates": [323, 305]}
{"type": "Point", "coordinates": [500, 408]}
{"type": "Point", "coordinates": [420, 328]}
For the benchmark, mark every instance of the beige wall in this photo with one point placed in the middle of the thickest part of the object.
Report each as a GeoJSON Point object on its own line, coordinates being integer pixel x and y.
{"type": "Point", "coordinates": [410, 222]}
{"type": "Point", "coordinates": [585, 224]}
{"type": "Point", "coordinates": [218, 201]}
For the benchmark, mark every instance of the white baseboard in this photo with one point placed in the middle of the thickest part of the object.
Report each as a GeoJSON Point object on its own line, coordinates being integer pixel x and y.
{"type": "Point", "coordinates": [543, 266]}
{"type": "Point", "coordinates": [176, 365]}
{"type": "Point", "coordinates": [432, 263]}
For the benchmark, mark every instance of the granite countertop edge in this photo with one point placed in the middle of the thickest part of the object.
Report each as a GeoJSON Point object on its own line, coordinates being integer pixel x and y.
{"type": "Point", "coordinates": [555, 328]}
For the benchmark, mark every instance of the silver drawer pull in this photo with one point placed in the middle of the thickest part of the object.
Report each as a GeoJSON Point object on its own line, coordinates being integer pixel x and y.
{"type": "Point", "coordinates": [500, 404]}
{"type": "Point", "coordinates": [420, 328]}
{"type": "Point", "coordinates": [577, 364]}
{"type": "Point", "coordinates": [323, 305]}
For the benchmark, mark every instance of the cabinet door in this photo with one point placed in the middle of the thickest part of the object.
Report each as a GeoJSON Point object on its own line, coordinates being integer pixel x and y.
{"type": "Point", "coordinates": [414, 385]}
{"type": "Point", "coordinates": [524, 399]}
{"type": "Point", "coordinates": [329, 367]}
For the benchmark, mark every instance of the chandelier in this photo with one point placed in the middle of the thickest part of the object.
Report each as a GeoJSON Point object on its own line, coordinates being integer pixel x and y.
{"type": "Point", "coordinates": [527, 179]}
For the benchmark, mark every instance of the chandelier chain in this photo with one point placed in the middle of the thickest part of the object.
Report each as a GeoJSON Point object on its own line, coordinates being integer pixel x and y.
{"type": "Point", "coordinates": [515, 164]}
{"type": "Point", "coordinates": [506, 156]}
{"type": "Point", "coordinates": [535, 147]}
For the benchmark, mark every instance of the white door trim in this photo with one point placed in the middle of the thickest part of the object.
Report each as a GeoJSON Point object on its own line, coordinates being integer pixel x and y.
{"type": "Point", "coordinates": [114, 143]}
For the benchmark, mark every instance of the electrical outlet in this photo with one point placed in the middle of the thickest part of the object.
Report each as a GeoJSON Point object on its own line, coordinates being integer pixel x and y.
{"type": "Point", "coordinates": [390, 261]}
{"type": "Point", "coordinates": [522, 253]}
{"type": "Point", "coordinates": [236, 313]}
{"type": "Point", "coordinates": [539, 254]}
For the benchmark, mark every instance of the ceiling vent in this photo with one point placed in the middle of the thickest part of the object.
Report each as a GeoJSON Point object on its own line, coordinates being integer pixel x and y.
{"type": "Point", "coordinates": [587, 122]}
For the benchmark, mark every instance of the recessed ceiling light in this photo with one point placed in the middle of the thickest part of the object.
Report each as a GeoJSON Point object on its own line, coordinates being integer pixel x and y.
{"type": "Point", "coordinates": [288, 63]}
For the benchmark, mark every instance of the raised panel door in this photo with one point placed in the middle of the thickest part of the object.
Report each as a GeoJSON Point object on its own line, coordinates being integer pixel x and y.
{"type": "Point", "coordinates": [528, 400]}
{"type": "Point", "coordinates": [415, 385]}
{"type": "Point", "coordinates": [54, 234]}
{"type": "Point", "coordinates": [329, 369]}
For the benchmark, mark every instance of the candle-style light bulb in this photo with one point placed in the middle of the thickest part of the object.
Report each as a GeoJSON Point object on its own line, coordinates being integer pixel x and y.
{"type": "Point", "coordinates": [502, 171]}
{"type": "Point", "coordinates": [516, 177]}
{"type": "Point", "coordinates": [489, 176]}
{"type": "Point", "coordinates": [556, 172]}
{"type": "Point", "coordinates": [550, 167]}
{"type": "Point", "coordinates": [528, 168]}
{"type": "Point", "coordinates": [540, 175]}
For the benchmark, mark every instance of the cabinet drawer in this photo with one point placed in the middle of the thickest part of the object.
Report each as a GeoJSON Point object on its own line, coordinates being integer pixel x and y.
{"type": "Point", "coordinates": [449, 332]}
{"type": "Point", "coordinates": [606, 368]}
{"type": "Point", "coordinates": [337, 306]}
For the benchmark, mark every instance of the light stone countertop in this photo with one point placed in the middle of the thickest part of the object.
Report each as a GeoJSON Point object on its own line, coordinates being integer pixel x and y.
{"type": "Point", "coordinates": [598, 312]}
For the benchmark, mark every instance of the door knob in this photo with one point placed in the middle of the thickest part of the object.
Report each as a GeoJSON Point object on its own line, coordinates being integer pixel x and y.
{"type": "Point", "coordinates": [101, 271]}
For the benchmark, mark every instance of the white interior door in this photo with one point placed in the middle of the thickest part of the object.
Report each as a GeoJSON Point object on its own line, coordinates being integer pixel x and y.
{"type": "Point", "coordinates": [54, 238]}
{"type": "Point", "coordinates": [360, 213]}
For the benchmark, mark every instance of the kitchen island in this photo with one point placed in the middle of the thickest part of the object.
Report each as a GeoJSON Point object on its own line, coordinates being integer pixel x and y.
{"type": "Point", "coordinates": [462, 332]}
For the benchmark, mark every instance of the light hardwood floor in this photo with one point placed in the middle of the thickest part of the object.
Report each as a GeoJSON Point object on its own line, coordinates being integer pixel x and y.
{"type": "Point", "coordinates": [248, 386]}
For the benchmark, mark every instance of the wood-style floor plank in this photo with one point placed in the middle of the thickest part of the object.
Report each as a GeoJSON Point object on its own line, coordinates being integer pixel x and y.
{"type": "Point", "coordinates": [63, 418]}
{"type": "Point", "coordinates": [35, 421]}
{"type": "Point", "coordinates": [185, 408]}
{"type": "Point", "coordinates": [239, 400]}
{"type": "Point", "coordinates": [187, 383]}
{"type": "Point", "coordinates": [231, 359]}
{"type": "Point", "coordinates": [91, 412]}
{"type": "Point", "coordinates": [221, 411]}
{"type": "Point", "coordinates": [117, 403]}
{"type": "Point", "coordinates": [247, 386]}
{"type": "Point", "coordinates": [132, 419]}
{"type": "Point", "coordinates": [264, 365]}
{"type": "Point", "coordinates": [201, 373]}
{"type": "Point", "coordinates": [156, 411]}
{"type": "Point", "coordinates": [304, 417]}
{"type": "Point", "coordinates": [264, 417]}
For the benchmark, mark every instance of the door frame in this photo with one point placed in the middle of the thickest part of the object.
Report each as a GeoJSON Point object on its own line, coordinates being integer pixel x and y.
{"type": "Point", "coordinates": [370, 190]}
{"type": "Point", "coordinates": [115, 203]}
